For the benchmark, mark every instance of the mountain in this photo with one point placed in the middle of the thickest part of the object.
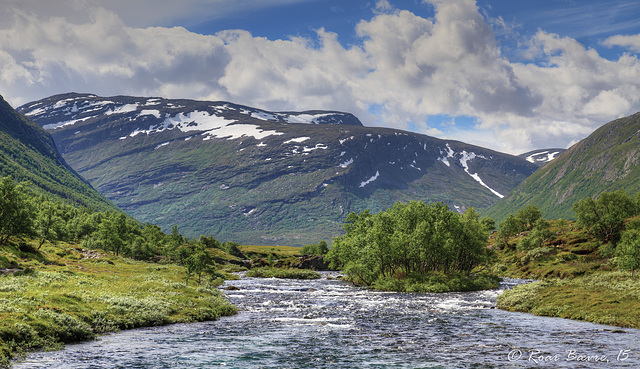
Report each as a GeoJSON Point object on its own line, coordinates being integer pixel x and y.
{"type": "Point", "coordinates": [28, 153]}
{"type": "Point", "coordinates": [542, 156]}
{"type": "Point", "coordinates": [607, 160]}
{"type": "Point", "coordinates": [261, 177]}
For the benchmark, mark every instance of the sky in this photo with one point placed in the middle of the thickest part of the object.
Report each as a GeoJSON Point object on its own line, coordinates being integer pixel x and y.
{"type": "Point", "coordinates": [510, 75]}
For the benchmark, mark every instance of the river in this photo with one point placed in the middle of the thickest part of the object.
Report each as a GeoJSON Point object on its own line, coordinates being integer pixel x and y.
{"type": "Point", "coordinates": [328, 323]}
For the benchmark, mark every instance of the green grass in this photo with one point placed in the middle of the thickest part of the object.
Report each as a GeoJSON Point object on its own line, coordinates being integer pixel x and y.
{"type": "Point", "coordinates": [577, 279]}
{"type": "Point", "coordinates": [611, 298]}
{"type": "Point", "coordinates": [63, 297]}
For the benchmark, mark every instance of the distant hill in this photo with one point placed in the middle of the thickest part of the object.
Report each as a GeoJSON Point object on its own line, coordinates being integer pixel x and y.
{"type": "Point", "coordinates": [28, 153]}
{"type": "Point", "coordinates": [542, 156]}
{"type": "Point", "coordinates": [260, 177]}
{"type": "Point", "coordinates": [607, 160]}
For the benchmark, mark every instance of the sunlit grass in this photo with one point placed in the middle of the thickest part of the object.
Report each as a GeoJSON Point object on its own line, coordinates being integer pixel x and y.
{"type": "Point", "coordinates": [63, 297]}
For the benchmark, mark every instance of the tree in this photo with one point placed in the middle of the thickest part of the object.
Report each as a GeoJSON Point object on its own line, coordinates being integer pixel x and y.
{"type": "Point", "coordinates": [409, 239]}
{"type": "Point", "coordinates": [16, 212]}
{"type": "Point", "coordinates": [604, 217]}
{"type": "Point", "coordinates": [628, 251]}
{"type": "Point", "coordinates": [47, 218]}
{"type": "Point", "coordinates": [320, 248]}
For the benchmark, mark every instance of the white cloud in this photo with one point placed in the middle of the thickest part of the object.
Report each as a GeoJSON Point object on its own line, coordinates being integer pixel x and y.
{"type": "Point", "coordinates": [631, 42]}
{"type": "Point", "coordinates": [408, 67]}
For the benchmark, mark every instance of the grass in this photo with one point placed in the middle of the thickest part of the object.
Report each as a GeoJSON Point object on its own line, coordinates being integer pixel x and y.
{"type": "Point", "coordinates": [61, 297]}
{"type": "Point", "coordinates": [611, 298]}
{"type": "Point", "coordinates": [577, 279]}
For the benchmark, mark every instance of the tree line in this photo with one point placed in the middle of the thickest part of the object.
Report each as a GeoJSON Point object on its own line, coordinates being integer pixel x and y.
{"type": "Point", "coordinates": [611, 218]}
{"type": "Point", "coordinates": [23, 214]}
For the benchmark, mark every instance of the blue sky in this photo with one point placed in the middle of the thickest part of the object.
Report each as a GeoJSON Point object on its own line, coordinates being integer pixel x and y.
{"type": "Point", "coordinates": [509, 75]}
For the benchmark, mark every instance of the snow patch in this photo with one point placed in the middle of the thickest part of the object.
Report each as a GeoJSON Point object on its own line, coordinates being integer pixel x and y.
{"type": "Point", "coordinates": [162, 144]}
{"type": "Point", "coordinates": [346, 163]}
{"type": "Point", "coordinates": [127, 108]}
{"type": "Point", "coordinates": [298, 140]}
{"type": "Point", "coordinates": [445, 159]}
{"type": "Point", "coordinates": [155, 113]}
{"type": "Point", "coordinates": [362, 184]}
{"type": "Point", "coordinates": [464, 160]}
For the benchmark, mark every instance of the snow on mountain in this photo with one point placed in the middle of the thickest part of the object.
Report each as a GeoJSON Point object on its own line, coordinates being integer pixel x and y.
{"type": "Point", "coordinates": [256, 176]}
{"type": "Point", "coordinates": [542, 156]}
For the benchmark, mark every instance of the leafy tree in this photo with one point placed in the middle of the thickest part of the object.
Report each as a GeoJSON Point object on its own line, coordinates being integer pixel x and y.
{"type": "Point", "coordinates": [16, 212]}
{"type": "Point", "coordinates": [628, 251]}
{"type": "Point", "coordinates": [604, 217]}
{"type": "Point", "coordinates": [409, 239]}
{"type": "Point", "coordinates": [320, 248]}
{"type": "Point", "coordinates": [47, 218]}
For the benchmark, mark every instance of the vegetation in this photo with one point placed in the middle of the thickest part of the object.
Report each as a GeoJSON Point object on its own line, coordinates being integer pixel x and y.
{"type": "Point", "coordinates": [321, 248]}
{"type": "Point", "coordinates": [585, 268]}
{"type": "Point", "coordinates": [64, 293]}
{"type": "Point", "coordinates": [405, 247]}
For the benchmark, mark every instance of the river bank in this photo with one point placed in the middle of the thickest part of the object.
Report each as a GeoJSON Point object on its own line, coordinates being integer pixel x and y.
{"type": "Point", "coordinates": [66, 294]}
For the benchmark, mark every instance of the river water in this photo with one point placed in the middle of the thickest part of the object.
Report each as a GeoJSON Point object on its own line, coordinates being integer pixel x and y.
{"type": "Point", "coordinates": [328, 323]}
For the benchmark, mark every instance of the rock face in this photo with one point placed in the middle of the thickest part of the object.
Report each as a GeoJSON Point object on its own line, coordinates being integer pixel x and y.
{"type": "Point", "coordinates": [258, 177]}
{"type": "Point", "coordinates": [607, 160]}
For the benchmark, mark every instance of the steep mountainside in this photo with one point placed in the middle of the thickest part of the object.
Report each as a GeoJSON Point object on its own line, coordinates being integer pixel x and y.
{"type": "Point", "coordinates": [541, 157]}
{"type": "Point", "coordinates": [28, 153]}
{"type": "Point", "coordinates": [607, 160]}
{"type": "Point", "coordinates": [262, 177]}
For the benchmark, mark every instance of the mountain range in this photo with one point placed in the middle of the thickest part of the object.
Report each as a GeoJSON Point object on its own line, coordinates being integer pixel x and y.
{"type": "Point", "coordinates": [28, 153]}
{"type": "Point", "coordinates": [256, 176]}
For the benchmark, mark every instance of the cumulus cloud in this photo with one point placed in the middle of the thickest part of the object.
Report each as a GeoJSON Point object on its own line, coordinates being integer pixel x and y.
{"type": "Point", "coordinates": [405, 69]}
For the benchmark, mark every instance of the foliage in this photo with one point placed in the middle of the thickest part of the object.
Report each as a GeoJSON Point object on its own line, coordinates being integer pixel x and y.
{"type": "Point", "coordinates": [320, 248]}
{"type": "Point", "coordinates": [628, 251]}
{"type": "Point", "coordinates": [537, 236]}
{"type": "Point", "coordinates": [524, 220]}
{"type": "Point", "coordinates": [409, 239]}
{"type": "Point", "coordinates": [16, 212]}
{"type": "Point", "coordinates": [604, 217]}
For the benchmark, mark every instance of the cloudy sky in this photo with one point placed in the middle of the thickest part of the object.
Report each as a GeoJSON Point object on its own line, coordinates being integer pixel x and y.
{"type": "Point", "coordinates": [512, 75]}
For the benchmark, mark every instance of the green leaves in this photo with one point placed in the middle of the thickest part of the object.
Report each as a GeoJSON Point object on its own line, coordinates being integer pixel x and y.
{"type": "Point", "coordinates": [604, 217]}
{"type": "Point", "coordinates": [409, 238]}
{"type": "Point", "coordinates": [16, 212]}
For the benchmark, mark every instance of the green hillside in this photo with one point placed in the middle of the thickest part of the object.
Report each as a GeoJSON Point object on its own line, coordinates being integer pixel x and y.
{"type": "Point", "coordinates": [607, 160]}
{"type": "Point", "coordinates": [28, 153]}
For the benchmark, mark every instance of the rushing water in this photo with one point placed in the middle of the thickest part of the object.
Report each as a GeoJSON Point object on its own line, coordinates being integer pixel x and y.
{"type": "Point", "coordinates": [329, 324]}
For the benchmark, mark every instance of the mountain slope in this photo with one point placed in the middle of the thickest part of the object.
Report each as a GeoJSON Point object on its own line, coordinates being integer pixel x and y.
{"type": "Point", "coordinates": [28, 153]}
{"type": "Point", "coordinates": [255, 176]}
{"type": "Point", "coordinates": [607, 160]}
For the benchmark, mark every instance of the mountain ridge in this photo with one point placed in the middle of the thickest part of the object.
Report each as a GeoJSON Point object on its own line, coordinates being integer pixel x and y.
{"type": "Point", "coordinates": [28, 153]}
{"type": "Point", "coordinates": [606, 160]}
{"type": "Point", "coordinates": [255, 176]}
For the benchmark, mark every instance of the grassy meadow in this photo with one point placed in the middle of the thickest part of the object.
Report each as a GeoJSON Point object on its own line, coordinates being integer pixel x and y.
{"type": "Point", "coordinates": [62, 294]}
